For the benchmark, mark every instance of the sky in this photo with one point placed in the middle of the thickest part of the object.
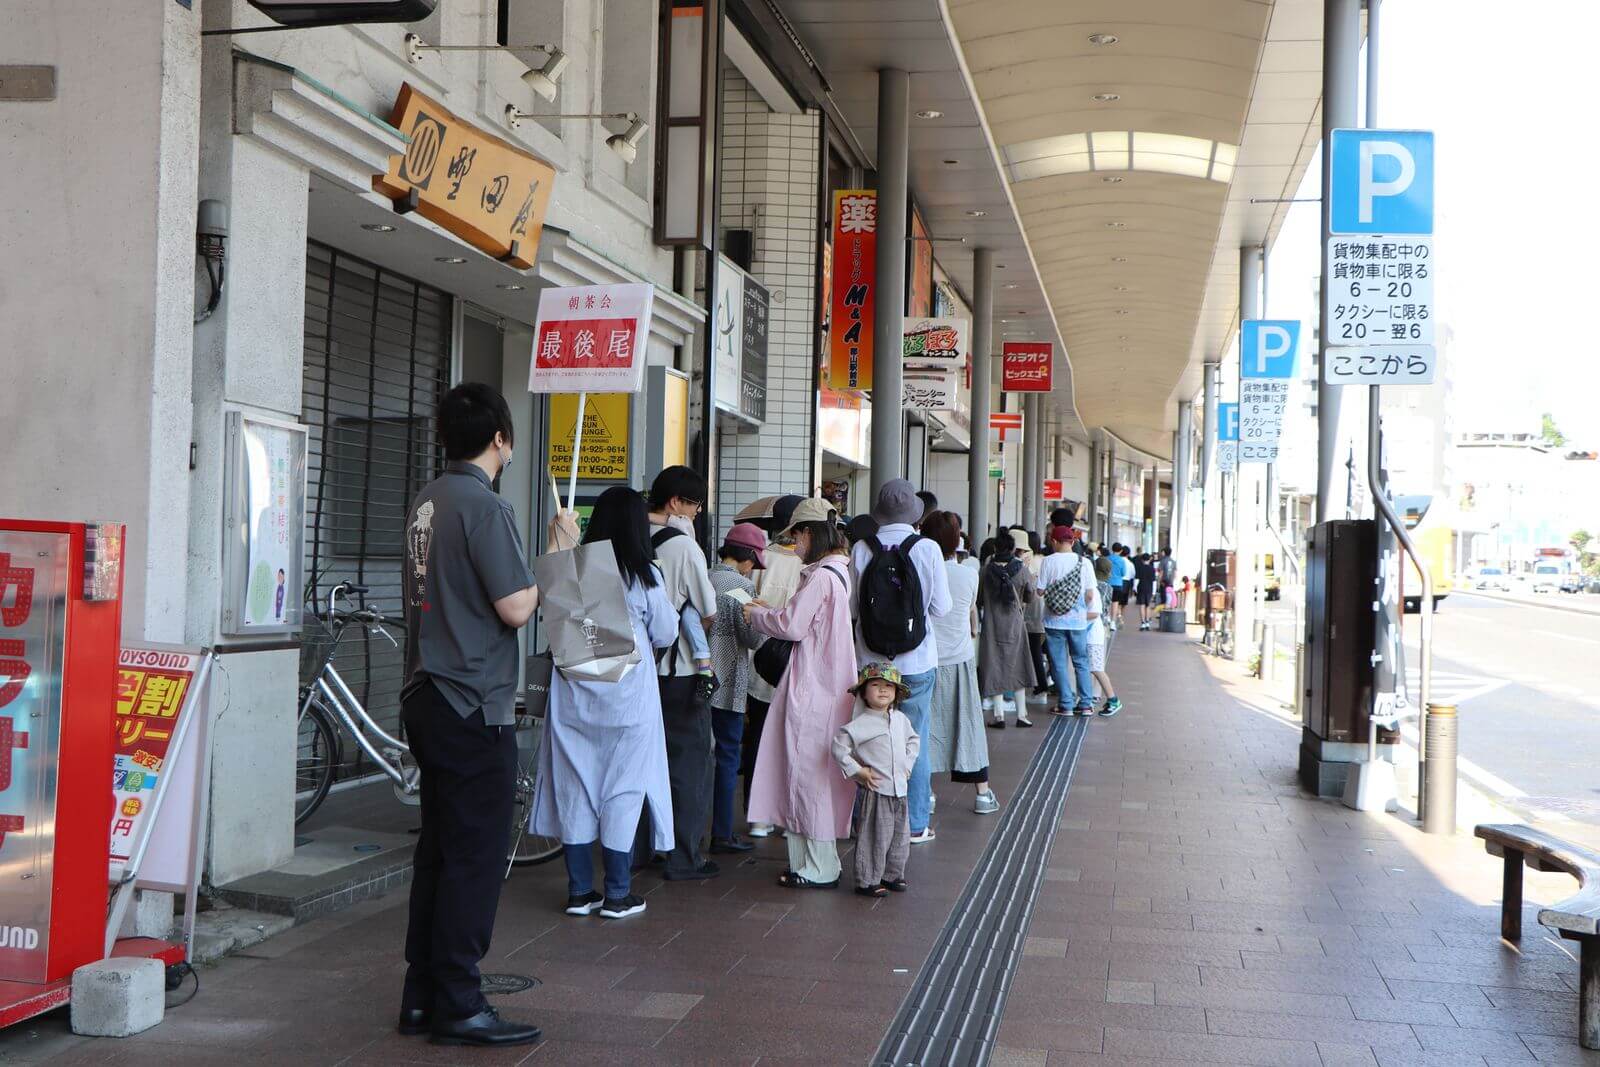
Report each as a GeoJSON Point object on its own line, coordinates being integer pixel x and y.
{"type": "Point", "coordinates": [1510, 94]}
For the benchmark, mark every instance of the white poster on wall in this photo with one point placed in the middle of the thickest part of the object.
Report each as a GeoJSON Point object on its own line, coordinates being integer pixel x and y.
{"type": "Point", "coordinates": [728, 326]}
{"type": "Point", "coordinates": [270, 453]}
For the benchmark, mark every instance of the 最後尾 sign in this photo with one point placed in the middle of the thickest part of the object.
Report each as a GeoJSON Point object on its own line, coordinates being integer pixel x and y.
{"type": "Point", "coordinates": [1267, 350]}
{"type": "Point", "coordinates": [605, 436]}
{"type": "Point", "coordinates": [853, 306]}
{"type": "Point", "coordinates": [1378, 275]}
{"type": "Point", "coordinates": [1025, 366]}
{"type": "Point", "coordinates": [484, 190]}
{"type": "Point", "coordinates": [591, 339]}
{"type": "Point", "coordinates": [1054, 490]}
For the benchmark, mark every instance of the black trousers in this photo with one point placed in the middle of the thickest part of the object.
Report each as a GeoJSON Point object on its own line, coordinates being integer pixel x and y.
{"type": "Point", "coordinates": [755, 720]}
{"type": "Point", "coordinates": [686, 716]}
{"type": "Point", "coordinates": [468, 778]}
{"type": "Point", "coordinates": [1041, 664]}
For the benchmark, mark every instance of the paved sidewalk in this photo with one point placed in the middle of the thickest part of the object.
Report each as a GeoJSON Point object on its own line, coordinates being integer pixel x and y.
{"type": "Point", "coordinates": [1199, 908]}
{"type": "Point", "coordinates": [1196, 908]}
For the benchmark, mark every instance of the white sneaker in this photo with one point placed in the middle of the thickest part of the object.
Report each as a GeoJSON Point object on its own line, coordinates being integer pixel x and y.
{"type": "Point", "coordinates": [759, 830]}
{"type": "Point", "coordinates": [988, 703]}
{"type": "Point", "coordinates": [986, 803]}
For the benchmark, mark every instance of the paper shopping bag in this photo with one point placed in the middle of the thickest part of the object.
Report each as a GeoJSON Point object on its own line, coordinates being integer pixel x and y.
{"type": "Point", "coordinates": [585, 612]}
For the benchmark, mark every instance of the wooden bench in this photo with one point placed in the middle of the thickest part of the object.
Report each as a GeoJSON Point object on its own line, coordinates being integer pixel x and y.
{"type": "Point", "coordinates": [1577, 918]}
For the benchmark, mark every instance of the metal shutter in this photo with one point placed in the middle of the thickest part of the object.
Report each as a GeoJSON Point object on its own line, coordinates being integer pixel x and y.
{"type": "Point", "coordinates": [377, 361]}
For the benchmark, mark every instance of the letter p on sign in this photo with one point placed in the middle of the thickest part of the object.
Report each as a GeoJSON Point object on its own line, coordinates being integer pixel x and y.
{"type": "Point", "coordinates": [1268, 348]}
{"type": "Point", "coordinates": [1382, 182]}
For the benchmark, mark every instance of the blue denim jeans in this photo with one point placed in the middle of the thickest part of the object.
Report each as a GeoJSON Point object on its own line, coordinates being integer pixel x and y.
{"type": "Point", "coordinates": [580, 870]}
{"type": "Point", "coordinates": [1069, 649]}
{"type": "Point", "coordinates": [919, 798]}
{"type": "Point", "coordinates": [727, 727]}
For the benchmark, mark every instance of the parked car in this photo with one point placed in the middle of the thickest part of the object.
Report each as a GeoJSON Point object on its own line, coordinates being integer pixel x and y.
{"type": "Point", "coordinates": [1492, 578]}
{"type": "Point", "coordinates": [1546, 578]}
{"type": "Point", "coordinates": [1593, 585]}
{"type": "Point", "coordinates": [1573, 583]}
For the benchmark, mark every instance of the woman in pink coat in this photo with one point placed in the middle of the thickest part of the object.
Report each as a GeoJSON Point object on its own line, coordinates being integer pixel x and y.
{"type": "Point", "coordinates": [797, 785]}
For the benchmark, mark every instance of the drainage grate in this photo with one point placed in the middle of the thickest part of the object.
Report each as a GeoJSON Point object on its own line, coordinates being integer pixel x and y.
{"type": "Point", "coordinates": [954, 1007]}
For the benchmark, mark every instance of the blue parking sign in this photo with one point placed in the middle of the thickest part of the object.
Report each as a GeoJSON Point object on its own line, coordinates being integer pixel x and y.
{"type": "Point", "coordinates": [1382, 182]}
{"type": "Point", "coordinates": [1267, 348]}
{"type": "Point", "coordinates": [1227, 422]}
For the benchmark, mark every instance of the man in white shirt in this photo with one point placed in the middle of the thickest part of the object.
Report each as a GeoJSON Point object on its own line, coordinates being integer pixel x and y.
{"type": "Point", "coordinates": [1066, 633]}
{"type": "Point", "coordinates": [896, 508]}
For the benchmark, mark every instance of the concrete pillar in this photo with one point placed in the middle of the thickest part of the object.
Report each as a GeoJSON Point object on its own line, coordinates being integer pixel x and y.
{"type": "Point", "coordinates": [1111, 490]}
{"type": "Point", "coordinates": [99, 304]}
{"type": "Point", "coordinates": [1180, 482]}
{"type": "Point", "coordinates": [1092, 508]}
{"type": "Point", "coordinates": [1341, 47]}
{"type": "Point", "coordinates": [1032, 432]}
{"type": "Point", "coordinates": [894, 96]}
{"type": "Point", "coordinates": [1247, 482]}
{"type": "Point", "coordinates": [1155, 508]}
{"type": "Point", "coordinates": [982, 341]}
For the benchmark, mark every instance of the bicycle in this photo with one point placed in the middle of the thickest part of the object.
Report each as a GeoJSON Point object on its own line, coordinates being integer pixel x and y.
{"type": "Point", "coordinates": [326, 704]}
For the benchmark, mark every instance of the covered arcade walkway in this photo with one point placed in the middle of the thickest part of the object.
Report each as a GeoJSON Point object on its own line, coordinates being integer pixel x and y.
{"type": "Point", "coordinates": [1191, 906]}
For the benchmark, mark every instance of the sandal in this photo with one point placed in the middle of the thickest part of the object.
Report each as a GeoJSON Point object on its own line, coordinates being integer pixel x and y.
{"type": "Point", "coordinates": [871, 891]}
{"type": "Point", "coordinates": [897, 886]}
{"type": "Point", "coordinates": [790, 880]}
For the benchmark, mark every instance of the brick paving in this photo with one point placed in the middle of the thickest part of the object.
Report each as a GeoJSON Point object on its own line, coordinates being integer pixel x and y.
{"type": "Point", "coordinates": [1196, 908]}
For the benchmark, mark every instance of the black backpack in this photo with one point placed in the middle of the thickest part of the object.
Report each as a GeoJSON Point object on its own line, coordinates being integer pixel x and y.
{"type": "Point", "coordinates": [893, 618]}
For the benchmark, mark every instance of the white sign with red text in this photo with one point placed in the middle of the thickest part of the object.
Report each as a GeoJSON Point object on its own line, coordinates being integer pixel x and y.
{"type": "Point", "coordinates": [591, 339]}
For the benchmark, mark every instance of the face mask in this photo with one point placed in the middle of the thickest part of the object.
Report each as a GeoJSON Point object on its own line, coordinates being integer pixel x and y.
{"type": "Point", "coordinates": [505, 460]}
{"type": "Point", "coordinates": [682, 522]}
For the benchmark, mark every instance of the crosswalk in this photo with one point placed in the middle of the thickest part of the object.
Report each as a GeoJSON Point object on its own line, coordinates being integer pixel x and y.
{"type": "Point", "coordinates": [1453, 687]}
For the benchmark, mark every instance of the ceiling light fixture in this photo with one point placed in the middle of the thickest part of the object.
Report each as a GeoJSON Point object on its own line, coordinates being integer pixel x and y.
{"type": "Point", "coordinates": [510, 288]}
{"type": "Point", "coordinates": [1112, 180]}
{"type": "Point", "coordinates": [1101, 39]}
{"type": "Point", "coordinates": [1114, 225]}
{"type": "Point", "coordinates": [930, 113]}
{"type": "Point", "coordinates": [1120, 288]}
{"type": "Point", "coordinates": [1106, 98]}
{"type": "Point", "coordinates": [951, 162]}
{"type": "Point", "coordinates": [1011, 285]}
{"type": "Point", "coordinates": [541, 79]}
{"type": "Point", "coordinates": [448, 259]}
{"type": "Point", "coordinates": [377, 227]}
{"type": "Point", "coordinates": [1119, 259]}
{"type": "Point", "coordinates": [976, 214]}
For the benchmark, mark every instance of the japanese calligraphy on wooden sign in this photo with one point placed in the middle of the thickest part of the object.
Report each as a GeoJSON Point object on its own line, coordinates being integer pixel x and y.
{"type": "Point", "coordinates": [1267, 349]}
{"type": "Point", "coordinates": [1380, 311]}
{"type": "Point", "coordinates": [853, 309]}
{"type": "Point", "coordinates": [482, 189]}
{"type": "Point", "coordinates": [1025, 366]}
{"type": "Point", "coordinates": [591, 339]}
{"type": "Point", "coordinates": [153, 693]}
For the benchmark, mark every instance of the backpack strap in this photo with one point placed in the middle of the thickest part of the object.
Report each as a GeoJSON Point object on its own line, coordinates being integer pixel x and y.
{"type": "Point", "coordinates": [663, 535]}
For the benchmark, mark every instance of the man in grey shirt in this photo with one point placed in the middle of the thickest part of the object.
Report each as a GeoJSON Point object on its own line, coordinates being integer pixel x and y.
{"type": "Point", "coordinates": [467, 592]}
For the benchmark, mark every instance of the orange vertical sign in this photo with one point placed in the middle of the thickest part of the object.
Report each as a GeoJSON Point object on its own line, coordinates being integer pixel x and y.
{"type": "Point", "coordinates": [854, 300]}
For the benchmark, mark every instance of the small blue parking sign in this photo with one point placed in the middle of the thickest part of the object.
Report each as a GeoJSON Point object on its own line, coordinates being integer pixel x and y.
{"type": "Point", "coordinates": [1267, 348]}
{"type": "Point", "coordinates": [1382, 182]}
{"type": "Point", "coordinates": [1227, 422]}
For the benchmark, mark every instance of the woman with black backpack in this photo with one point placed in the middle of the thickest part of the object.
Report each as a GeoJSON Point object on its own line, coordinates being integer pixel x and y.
{"type": "Point", "coordinates": [1005, 662]}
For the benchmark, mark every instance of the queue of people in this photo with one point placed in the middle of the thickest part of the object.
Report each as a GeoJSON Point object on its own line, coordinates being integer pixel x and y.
{"type": "Point", "coordinates": [830, 669]}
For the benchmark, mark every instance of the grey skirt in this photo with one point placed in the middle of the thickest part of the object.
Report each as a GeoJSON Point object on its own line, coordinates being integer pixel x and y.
{"type": "Point", "coordinates": [956, 740]}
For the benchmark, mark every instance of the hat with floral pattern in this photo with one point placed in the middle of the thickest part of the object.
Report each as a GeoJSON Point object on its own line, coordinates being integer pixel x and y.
{"type": "Point", "coordinates": [882, 672]}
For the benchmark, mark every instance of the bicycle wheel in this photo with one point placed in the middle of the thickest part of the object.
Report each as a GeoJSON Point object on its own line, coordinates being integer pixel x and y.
{"type": "Point", "coordinates": [527, 849]}
{"type": "Point", "coordinates": [316, 756]}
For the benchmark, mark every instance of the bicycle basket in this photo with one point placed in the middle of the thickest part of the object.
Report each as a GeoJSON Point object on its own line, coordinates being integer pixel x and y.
{"type": "Point", "coordinates": [316, 641]}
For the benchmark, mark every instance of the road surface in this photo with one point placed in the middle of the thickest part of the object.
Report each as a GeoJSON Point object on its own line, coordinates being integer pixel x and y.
{"type": "Point", "coordinates": [1525, 677]}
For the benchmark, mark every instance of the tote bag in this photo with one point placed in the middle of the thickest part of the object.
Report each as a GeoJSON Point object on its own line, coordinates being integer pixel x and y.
{"type": "Point", "coordinates": [585, 611]}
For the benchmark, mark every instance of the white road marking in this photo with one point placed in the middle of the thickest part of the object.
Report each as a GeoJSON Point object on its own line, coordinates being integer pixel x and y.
{"type": "Point", "coordinates": [1564, 637]}
{"type": "Point", "coordinates": [1492, 782]}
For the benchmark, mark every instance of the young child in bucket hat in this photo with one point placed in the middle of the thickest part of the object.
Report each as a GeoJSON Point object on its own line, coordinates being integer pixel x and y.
{"type": "Point", "coordinates": [877, 749]}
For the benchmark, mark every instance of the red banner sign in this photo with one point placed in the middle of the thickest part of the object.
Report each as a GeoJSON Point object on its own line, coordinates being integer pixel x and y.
{"type": "Point", "coordinates": [1025, 366]}
{"type": "Point", "coordinates": [1054, 489]}
{"type": "Point", "coordinates": [853, 309]}
{"type": "Point", "coordinates": [590, 339]}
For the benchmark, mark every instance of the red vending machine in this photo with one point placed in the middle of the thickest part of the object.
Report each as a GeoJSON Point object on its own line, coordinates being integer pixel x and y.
{"type": "Point", "coordinates": [60, 633]}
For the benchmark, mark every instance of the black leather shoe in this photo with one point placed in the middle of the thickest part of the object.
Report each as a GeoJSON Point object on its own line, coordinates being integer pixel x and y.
{"type": "Point", "coordinates": [730, 844]}
{"type": "Point", "coordinates": [484, 1028]}
{"type": "Point", "coordinates": [414, 1021]}
{"type": "Point", "coordinates": [708, 869]}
